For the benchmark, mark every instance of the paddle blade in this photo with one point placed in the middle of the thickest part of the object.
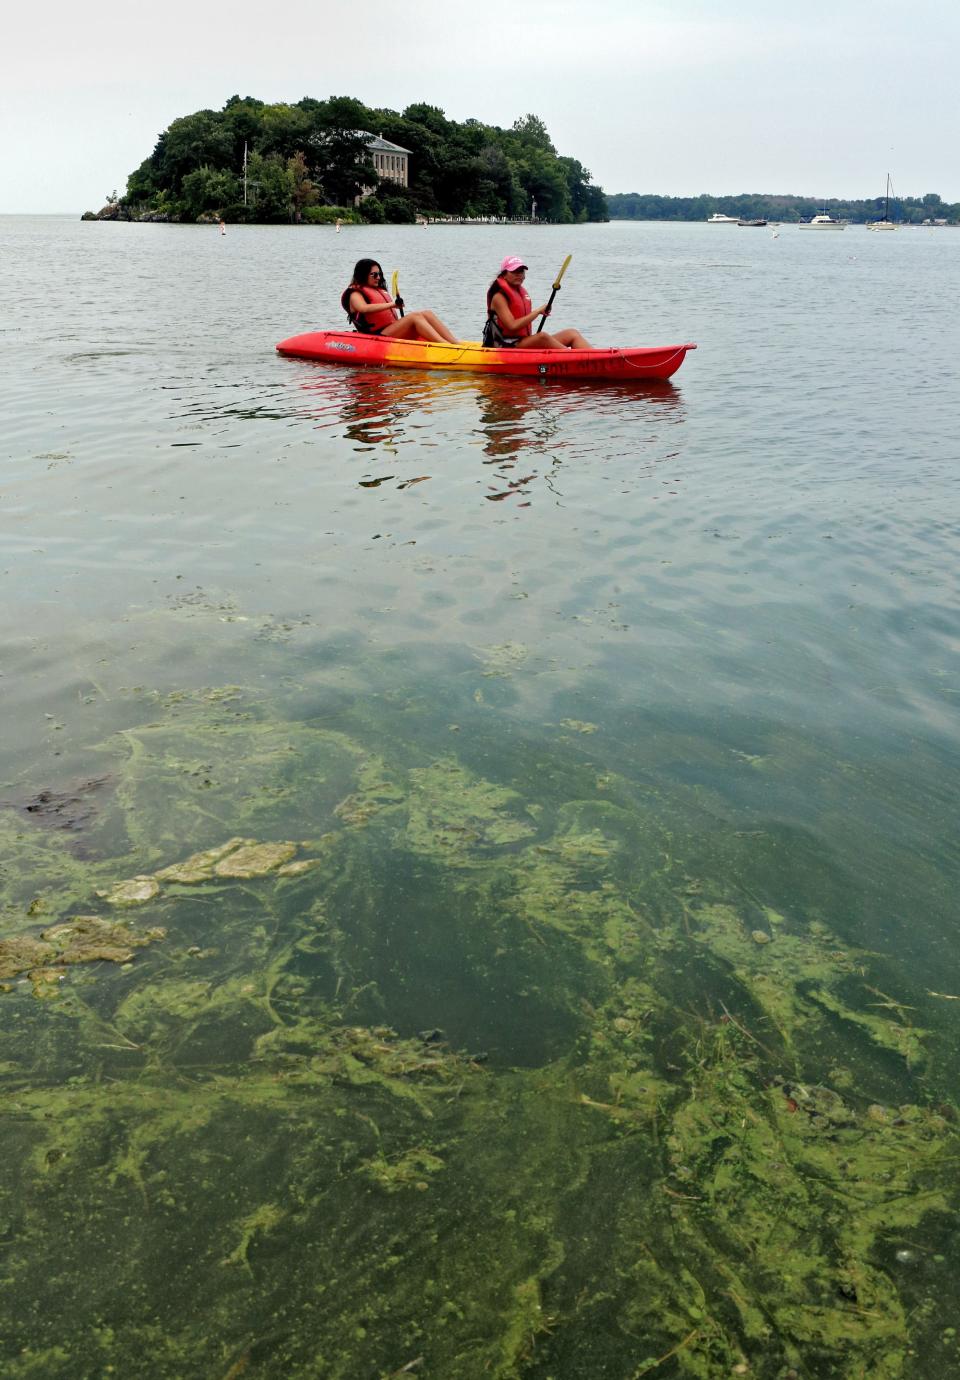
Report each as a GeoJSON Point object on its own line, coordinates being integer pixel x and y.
{"type": "Point", "coordinates": [393, 283]}
{"type": "Point", "coordinates": [563, 268]}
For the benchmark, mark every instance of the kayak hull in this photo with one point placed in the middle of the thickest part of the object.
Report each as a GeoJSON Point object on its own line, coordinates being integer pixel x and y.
{"type": "Point", "coordinates": [379, 352]}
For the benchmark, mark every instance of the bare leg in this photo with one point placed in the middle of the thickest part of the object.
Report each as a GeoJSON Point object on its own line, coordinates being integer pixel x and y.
{"type": "Point", "coordinates": [438, 325]}
{"type": "Point", "coordinates": [414, 327]}
{"type": "Point", "coordinates": [543, 341]}
{"type": "Point", "coordinates": [422, 325]}
{"type": "Point", "coordinates": [573, 340]}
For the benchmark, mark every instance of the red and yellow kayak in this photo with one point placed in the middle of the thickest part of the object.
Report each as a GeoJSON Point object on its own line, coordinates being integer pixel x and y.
{"type": "Point", "coordinates": [383, 352]}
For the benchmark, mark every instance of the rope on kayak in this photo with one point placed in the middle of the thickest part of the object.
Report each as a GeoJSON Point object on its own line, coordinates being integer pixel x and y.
{"type": "Point", "coordinates": [669, 360]}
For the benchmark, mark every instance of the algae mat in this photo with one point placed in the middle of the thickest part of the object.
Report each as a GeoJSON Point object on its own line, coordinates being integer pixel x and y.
{"type": "Point", "coordinates": [339, 1054]}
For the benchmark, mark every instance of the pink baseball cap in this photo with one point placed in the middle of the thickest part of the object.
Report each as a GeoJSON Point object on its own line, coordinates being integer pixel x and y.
{"type": "Point", "coordinates": [511, 264]}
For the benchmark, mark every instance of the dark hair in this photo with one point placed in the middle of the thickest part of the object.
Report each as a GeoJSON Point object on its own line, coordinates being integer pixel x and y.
{"type": "Point", "coordinates": [361, 271]}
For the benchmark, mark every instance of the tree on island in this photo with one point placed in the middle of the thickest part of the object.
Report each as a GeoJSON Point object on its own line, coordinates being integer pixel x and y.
{"type": "Point", "coordinates": [253, 161]}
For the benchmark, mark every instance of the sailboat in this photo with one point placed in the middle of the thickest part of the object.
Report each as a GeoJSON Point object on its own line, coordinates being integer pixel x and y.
{"type": "Point", "coordinates": [886, 223]}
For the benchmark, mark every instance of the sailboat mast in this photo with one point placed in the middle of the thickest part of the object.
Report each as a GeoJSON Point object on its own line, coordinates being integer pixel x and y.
{"type": "Point", "coordinates": [886, 223]}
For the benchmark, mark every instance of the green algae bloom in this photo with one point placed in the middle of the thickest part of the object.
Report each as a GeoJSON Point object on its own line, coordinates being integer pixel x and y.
{"type": "Point", "coordinates": [404, 1061]}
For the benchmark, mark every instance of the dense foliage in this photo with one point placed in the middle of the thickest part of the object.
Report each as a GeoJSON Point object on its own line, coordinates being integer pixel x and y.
{"type": "Point", "coordinates": [757, 205]}
{"type": "Point", "coordinates": [307, 161]}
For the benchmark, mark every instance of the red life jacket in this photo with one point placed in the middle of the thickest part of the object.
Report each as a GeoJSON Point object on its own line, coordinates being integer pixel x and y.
{"type": "Point", "coordinates": [369, 322]}
{"type": "Point", "coordinates": [518, 300]}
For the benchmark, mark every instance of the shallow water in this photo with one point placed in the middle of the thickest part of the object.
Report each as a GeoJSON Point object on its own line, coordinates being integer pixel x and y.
{"type": "Point", "coordinates": [566, 693]}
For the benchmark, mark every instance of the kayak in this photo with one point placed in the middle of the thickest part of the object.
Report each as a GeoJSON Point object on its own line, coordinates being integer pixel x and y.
{"type": "Point", "coordinates": [385, 352]}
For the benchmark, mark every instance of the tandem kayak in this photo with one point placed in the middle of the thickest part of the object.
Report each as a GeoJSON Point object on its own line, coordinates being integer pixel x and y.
{"type": "Point", "coordinates": [385, 352]}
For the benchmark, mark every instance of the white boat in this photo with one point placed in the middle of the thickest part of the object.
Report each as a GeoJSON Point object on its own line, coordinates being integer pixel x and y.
{"type": "Point", "coordinates": [718, 219]}
{"type": "Point", "coordinates": [886, 223]}
{"type": "Point", "coordinates": [823, 222]}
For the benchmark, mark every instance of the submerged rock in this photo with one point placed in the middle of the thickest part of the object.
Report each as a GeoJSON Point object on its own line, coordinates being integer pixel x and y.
{"type": "Point", "coordinates": [199, 866]}
{"type": "Point", "coordinates": [135, 891]}
{"type": "Point", "coordinates": [82, 939]}
{"type": "Point", "coordinates": [255, 859]}
{"type": "Point", "coordinates": [22, 952]}
{"type": "Point", "coordinates": [88, 938]}
{"type": "Point", "coordinates": [298, 868]}
{"type": "Point", "coordinates": [91, 938]}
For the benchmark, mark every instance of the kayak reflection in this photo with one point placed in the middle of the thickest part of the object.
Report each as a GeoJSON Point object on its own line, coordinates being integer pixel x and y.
{"type": "Point", "coordinates": [524, 429]}
{"type": "Point", "coordinates": [524, 423]}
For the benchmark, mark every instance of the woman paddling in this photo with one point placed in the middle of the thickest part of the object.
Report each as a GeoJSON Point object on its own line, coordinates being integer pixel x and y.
{"type": "Point", "coordinates": [372, 311]}
{"type": "Point", "coordinates": [510, 315]}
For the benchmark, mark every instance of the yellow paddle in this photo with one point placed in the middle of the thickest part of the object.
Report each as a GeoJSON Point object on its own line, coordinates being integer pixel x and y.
{"type": "Point", "coordinates": [556, 288]}
{"type": "Point", "coordinates": [393, 291]}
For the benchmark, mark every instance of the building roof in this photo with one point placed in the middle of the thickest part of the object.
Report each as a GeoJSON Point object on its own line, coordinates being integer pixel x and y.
{"type": "Point", "coordinates": [377, 144]}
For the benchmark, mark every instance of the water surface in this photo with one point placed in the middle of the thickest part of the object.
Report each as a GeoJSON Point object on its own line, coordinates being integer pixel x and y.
{"type": "Point", "coordinates": [607, 1027]}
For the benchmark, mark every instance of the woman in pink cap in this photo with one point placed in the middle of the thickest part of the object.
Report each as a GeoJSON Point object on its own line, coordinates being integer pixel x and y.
{"type": "Point", "coordinates": [510, 315]}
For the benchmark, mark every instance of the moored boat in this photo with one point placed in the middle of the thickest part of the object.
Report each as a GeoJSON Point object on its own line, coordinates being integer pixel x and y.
{"type": "Point", "coordinates": [886, 223]}
{"type": "Point", "coordinates": [822, 222]}
{"type": "Point", "coordinates": [718, 219]}
{"type": "Point", "coordinates": [385, 352]}
{"type": "Point", "coordinates": [751, 222]}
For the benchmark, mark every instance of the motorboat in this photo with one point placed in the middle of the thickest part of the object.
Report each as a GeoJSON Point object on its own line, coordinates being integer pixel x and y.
{"type": "Point", "coordinates": [823, 222]}
{"type": "Point", "coordinates": [718, 219]}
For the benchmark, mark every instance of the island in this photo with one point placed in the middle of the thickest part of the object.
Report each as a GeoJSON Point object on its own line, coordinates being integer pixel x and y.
{"type": "Point", "coordinates": [323, 161]}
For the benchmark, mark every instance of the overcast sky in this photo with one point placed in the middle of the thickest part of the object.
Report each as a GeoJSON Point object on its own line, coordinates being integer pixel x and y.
{"type": "Point", "coordinates": [821, 98]}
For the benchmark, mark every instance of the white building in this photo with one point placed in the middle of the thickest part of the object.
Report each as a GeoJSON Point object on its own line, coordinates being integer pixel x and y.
{"type": "Point", "coordinates": [390, 160]}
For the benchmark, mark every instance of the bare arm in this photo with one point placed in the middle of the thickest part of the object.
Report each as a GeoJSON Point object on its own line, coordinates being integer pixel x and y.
{"type": "Point", "coordinates": [513, 325]}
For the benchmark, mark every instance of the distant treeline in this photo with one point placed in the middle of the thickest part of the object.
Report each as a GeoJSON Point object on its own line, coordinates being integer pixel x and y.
{"type": "Point", "coordinates": [307, 162]}
{"type": "Point", "coordinates": [755, 206]}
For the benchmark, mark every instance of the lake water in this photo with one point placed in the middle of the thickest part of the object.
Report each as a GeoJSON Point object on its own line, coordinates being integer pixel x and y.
{"type": "Point", "coordinates": [599, 1018]}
